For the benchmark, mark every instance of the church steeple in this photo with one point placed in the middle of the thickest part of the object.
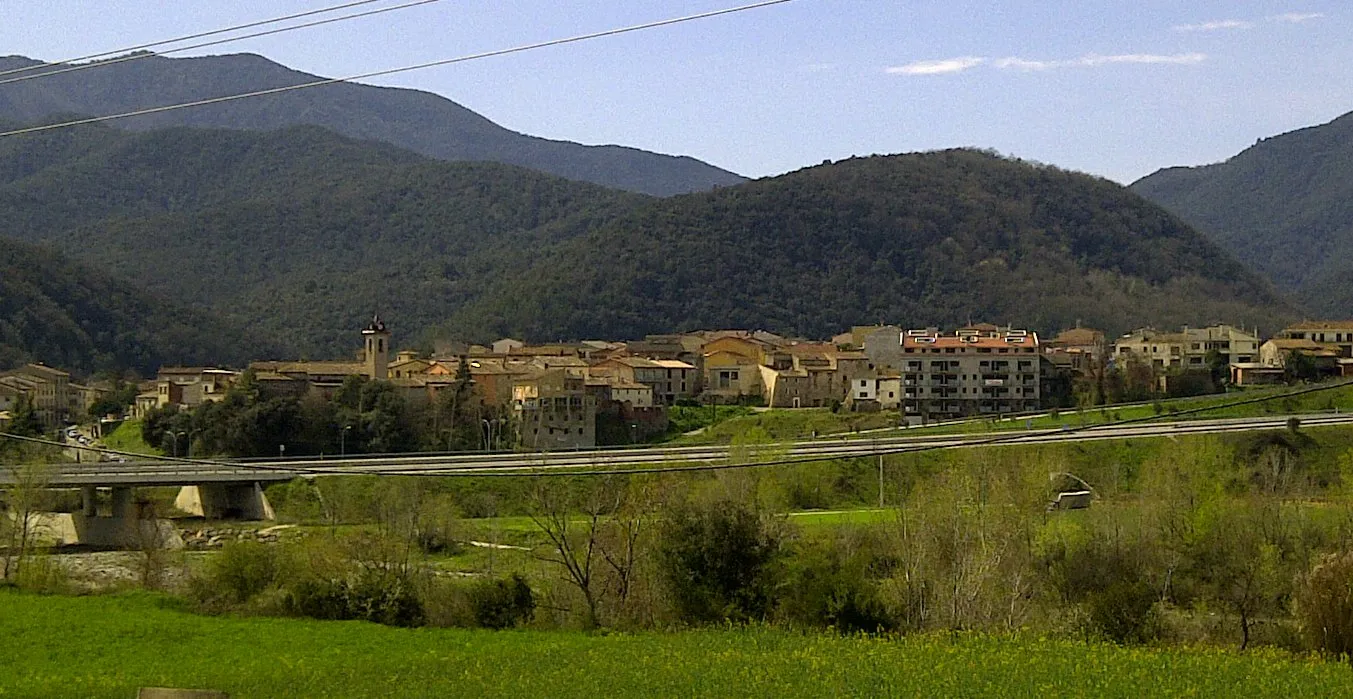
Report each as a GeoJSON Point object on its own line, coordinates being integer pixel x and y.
{"type": "Point", "coordinates": [376, 345]}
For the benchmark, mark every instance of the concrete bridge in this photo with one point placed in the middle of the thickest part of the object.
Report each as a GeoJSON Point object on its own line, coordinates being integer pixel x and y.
{"type": "Point", "coordinates": [234, 489]}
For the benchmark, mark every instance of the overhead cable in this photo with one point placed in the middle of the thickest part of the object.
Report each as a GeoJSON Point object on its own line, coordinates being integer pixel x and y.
{"type": "Point", "coordinates": [392, 71]}
{"type": "Point", "coordinates": [217, 42]}
{"type": "Point", "coordinates": [190, 37]}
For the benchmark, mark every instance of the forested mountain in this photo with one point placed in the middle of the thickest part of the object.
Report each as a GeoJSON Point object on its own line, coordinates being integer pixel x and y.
{"type": "Point", "coordinates": [935, 238]}
{"type": "Point", "coordinates": [70, 316]}
{"type": "Point", "coordinates": [1283, 206]}
{"type": "Point", "coordinates": [300, 234]}
{"type": "Point", "coordinates": [411, 119]}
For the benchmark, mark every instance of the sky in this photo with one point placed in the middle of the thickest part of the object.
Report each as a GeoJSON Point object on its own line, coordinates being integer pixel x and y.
{"type": "Point", "coordinates": [1116, 89]}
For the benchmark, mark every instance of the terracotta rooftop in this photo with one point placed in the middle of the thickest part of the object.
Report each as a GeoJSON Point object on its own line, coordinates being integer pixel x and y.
{"type": "Point", "coordinates": [1078, 336]}
{"type": "Point", "coordinates": [979, 339]}
{"type": "Point", "coordinates": [1320, 325]}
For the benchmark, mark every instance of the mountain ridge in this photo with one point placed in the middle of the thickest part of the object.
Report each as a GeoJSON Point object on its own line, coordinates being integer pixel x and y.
{"type": "Point", "coordinates": [415, 120]}
{"type": "Point", "coordinates": [298, 234]}
{"type": "Point", "coordinates": [1284, 206]}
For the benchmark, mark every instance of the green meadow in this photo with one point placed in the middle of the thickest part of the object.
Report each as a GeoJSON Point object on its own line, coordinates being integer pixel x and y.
{"type": "Point", "coordinates": [108, 646]}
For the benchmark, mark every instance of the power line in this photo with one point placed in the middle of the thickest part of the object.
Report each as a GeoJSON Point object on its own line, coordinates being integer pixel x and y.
{"type": "Point", "coordinates": [217, 42]}
{"type": "Point", "coordinates": [405, 69]}
{"type": "Point", "coordinates": [502, 472]}
{"type": "Point", "coordinates": [168, 459]}
{"type": "Point", "coordinates": [191, 37]}
{"type": "Point", "coordinates": [1014, 438]}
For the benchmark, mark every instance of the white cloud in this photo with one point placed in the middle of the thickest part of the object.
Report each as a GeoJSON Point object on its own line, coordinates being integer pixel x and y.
{"type": "Point", "coordinates": [1093, 60]}
{"type": "Point", "coordinates": [1148, 58]}
{"type": "Point", "coordinates": [1025, 64]}
{"type": "Point", "coordinates": [937, 67]}
{"type": "Point", "coordinates": [1217, 25]}
{"type": "Point", "coordinates": [1296, 17]}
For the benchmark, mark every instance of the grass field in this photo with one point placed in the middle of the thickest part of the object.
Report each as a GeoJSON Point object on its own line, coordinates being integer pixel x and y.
{"type": "Point", "coordinates": [109, 646]}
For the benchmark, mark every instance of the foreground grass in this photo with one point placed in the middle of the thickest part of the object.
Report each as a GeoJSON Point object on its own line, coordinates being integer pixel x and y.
{"type": "Point", "coordinates": [109, 646]}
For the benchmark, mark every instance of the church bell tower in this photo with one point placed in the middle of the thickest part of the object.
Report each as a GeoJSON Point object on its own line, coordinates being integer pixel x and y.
{"type": "Point", "coordinates": [376, 344]}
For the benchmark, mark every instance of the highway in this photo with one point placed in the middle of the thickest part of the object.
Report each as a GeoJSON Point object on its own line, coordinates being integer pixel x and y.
{"type": "Point", "coordinates": [186, 472]}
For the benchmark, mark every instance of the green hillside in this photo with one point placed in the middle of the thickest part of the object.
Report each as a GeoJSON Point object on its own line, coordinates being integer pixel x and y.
{"type": "Point", "coordinates": [300, 234]}
{"type": "Point", "coordinates": [1283, 206]}
{"type": "Point", "coordinates": [936, 238]}
{"type": "Point", "coordinates": [68, 315]}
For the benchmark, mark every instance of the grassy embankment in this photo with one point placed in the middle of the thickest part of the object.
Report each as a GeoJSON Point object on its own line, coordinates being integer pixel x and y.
{"type": "Point", "coordinates": [127, 437]}
{"type": "Point", "coordinates": [785, 424]}
{"type": "Point", "coordinates": [93, 647]}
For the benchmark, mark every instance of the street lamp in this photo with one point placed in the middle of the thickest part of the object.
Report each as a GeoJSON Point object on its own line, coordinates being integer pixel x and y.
{"type": "Point", "coordinates": [343, 440]}
{"type": "Point", "coordinates": [174, 441]}
{"type": "Point", "coordinates": [281, 451]}
{"type": "Point", "coordinates": [488, 431]}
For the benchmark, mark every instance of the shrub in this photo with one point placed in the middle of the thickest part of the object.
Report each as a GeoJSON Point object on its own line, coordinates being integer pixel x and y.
{"type": "Point", "coordinates": [1108, 578]}
{"type": "Point", "coordinates": [240, 571]}
{"type": "Point", "coordinates": [831, 588]}
{"type": "Point", "coordinates": [437, 540]}
{"type": "Point", "coordinates": [1324, 606]}
{"type": "Point", "coordinates": [719, 562]}
{"type": "Point", "coordinates": [502, 604]}
{"type": "Point", "coordinates": [319, 599]}
{"type": "Point", "coordinates": [383, 599]}
{"type": "Point", "coordinates": [1124, 611]}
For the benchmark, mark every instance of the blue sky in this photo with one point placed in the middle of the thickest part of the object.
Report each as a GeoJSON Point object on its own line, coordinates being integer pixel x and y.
{"type": "Point", "coordinates": [1117, 89]}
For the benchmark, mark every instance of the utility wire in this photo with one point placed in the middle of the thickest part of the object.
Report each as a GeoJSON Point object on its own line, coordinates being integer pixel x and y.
{"type": "Point", "coordinates": [167, 459]}
{"type": "Point", "coordinates": [392, 71]}
{"type": "Point", "coordinates": [1013, 438]}
{"type": "Point", "coordinates": [255, 35]}
{"type": "Point", "coordinates": [190, 37]}
{"type": "Point", "coordinates": [490, 471]}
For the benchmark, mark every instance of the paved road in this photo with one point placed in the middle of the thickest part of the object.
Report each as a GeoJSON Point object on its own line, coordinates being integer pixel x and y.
{"type": "Point", "coordinates": [146, 473]}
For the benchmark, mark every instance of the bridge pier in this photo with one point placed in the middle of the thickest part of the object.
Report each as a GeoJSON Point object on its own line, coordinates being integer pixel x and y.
{"type": "Point", "coordinates": [244, 501]}
{"type": "Point", "coordinates": [126, 526]}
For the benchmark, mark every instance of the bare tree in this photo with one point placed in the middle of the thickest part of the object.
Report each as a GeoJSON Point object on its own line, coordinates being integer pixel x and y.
{"type": "Point", "coordinates": [594, 533]}
{"type": "Point", "coordinates": [573, 548]}
{"type": "Point", "coordinates": [24, 492]}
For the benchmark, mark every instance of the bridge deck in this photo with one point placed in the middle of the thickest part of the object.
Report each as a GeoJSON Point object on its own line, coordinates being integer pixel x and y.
{"type": "Point", "coordinates": [169, 473]}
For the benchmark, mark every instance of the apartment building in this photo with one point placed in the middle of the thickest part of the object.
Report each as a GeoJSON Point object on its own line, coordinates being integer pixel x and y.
{"type": "Point", "coordinates": [973, 371]}
{"type": "Point", "coordinates": [47, 389]}
{"type": "Point", "coordinates": [1332, 332]}
{"type": "Point", "coordinates": [1189, 348]}
{"type": "Point", "coordinates": [553, 410]}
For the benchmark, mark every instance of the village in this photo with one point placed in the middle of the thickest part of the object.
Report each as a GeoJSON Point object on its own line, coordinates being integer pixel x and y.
{"type": "Point", "coordinates": [551, 396]}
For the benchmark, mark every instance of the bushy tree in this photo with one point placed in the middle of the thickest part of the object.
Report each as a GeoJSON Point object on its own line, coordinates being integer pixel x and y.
{"type": "Point", "coordinates": [1324, 605]}
{"type": "Point", "coordinates": [720, 561]}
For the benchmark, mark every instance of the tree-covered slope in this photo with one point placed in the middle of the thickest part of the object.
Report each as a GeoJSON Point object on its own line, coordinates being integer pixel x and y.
{"type": "Point", "coordinates": [299, 233]}
{"type": "Point", "coordinates": [68, 315]}
{"type": "Point", "coordinates": [1283, 206]}
{"type": "Point", "coordinates": [418, 121]}
{"type": "Point", "coordinates": [935, 238]}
